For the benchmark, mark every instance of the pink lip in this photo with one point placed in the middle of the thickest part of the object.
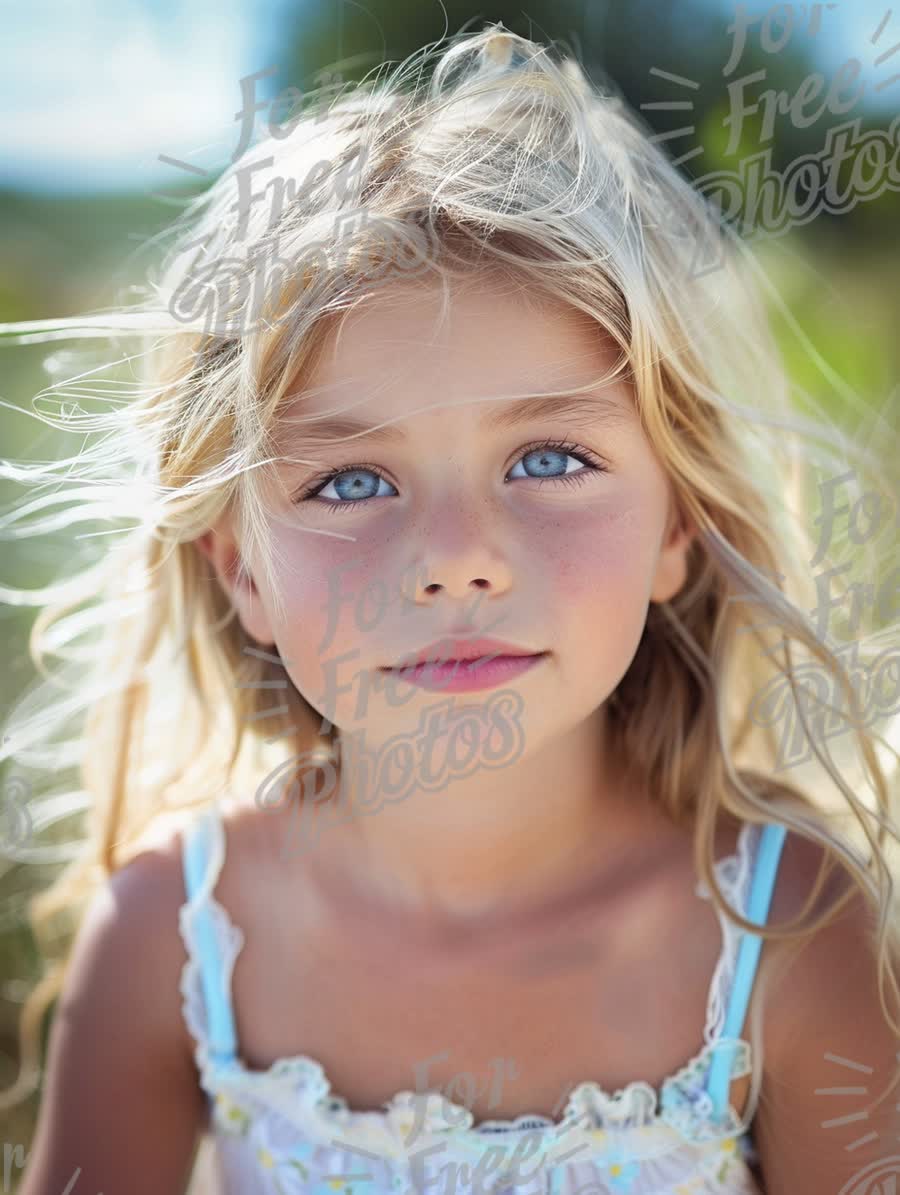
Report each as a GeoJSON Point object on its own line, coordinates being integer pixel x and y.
{"type": "Point", "coordinates": [460, 676]}
{"type": "Point", "coordinates": [451, 649]}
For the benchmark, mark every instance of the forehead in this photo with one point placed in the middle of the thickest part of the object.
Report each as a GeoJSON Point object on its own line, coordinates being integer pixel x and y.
{"type": "Point", "coordinates": [417, 355]}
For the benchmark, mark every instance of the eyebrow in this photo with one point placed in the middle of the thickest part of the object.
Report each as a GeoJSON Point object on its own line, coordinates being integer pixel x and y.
{"type": "Point", "coordinates": [575, 410]}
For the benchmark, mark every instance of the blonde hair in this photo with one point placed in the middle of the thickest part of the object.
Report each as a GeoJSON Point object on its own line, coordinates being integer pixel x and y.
{"type": "Point", "coordinates": [506, 158]}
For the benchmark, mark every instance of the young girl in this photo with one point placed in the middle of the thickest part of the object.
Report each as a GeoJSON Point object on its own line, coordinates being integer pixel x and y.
{"type": "Point", "coordinates": [438, 683]}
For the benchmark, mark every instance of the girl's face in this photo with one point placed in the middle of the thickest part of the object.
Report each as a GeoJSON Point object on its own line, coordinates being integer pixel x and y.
{"type": "Point", "coordinates": [552, 531]}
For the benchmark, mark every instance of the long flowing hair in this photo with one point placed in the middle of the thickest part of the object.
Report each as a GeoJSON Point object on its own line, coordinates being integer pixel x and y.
{"type": "Point", "coordinates": [483, 151]}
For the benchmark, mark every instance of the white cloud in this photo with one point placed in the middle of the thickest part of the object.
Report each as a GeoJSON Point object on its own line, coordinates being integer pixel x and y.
{"type": "Point", "coordinates": [92, 94]}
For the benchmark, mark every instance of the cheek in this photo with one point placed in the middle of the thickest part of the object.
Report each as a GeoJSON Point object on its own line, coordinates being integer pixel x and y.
{"type": "Point", "coordinates": [600, 573]}
{"type": "Point", "coordinates": [604, 556]}
{"type": "Point", "coordinates": [335, 593]}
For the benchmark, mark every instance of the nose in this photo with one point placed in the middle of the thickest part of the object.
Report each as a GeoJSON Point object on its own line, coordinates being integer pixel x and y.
{"type": "Point", "coordinates": [458, 541]}
{"type": "Point", "coordinates": [460, 569]}
{"type": "Point", "coordinates": [476, 583]}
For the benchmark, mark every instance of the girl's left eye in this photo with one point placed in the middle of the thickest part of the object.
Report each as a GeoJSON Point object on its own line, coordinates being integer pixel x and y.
{"type": "Point", "coordinates": [546, 456]}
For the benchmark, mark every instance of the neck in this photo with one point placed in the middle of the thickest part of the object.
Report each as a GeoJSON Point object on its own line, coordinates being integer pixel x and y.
{"type": "Point", "coordinates": [494, 848]}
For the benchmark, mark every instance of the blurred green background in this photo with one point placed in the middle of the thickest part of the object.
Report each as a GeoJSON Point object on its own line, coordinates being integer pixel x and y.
{"type": "Point", "coordinates": [97, 95]}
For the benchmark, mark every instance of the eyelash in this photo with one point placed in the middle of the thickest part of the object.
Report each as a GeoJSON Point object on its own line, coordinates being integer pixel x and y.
{"type": "Point", "coordinates": [593, 463]}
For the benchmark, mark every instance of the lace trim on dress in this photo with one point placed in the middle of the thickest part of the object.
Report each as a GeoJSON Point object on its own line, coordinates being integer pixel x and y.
{"type": "Point", "coordinates": [734, 874]}
{"type": "Point", "coordinates": [299, 1084]}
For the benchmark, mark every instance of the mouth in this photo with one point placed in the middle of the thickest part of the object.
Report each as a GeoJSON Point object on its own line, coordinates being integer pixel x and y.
{"type": "Point", "coordinates": [467, 675]}
{"type": "Point", "coordinates": [468, 652]}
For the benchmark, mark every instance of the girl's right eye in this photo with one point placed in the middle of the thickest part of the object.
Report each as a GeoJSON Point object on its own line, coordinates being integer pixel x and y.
{"type": "Point", "coordinates": [350, 486]}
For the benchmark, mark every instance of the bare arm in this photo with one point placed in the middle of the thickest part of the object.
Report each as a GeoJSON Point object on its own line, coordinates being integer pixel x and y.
{"type": "Point", "coordinates": [121, 1100]}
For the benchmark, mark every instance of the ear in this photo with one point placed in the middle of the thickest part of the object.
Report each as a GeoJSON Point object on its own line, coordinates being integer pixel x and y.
{"type": "Point", "coordinates": [221, 549]}
{"type": "Point", "coordinates": [671, 568]}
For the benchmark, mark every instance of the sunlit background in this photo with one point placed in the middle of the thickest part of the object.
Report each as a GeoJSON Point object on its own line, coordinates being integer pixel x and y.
{"type": "Point", "coordinates": [114, 112]}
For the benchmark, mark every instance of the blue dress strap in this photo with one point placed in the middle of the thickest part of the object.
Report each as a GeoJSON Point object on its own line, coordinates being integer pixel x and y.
{"type": "Point", "coordinates": [200, 837]}
{"type": "Point", "coordinates": [763, 885]}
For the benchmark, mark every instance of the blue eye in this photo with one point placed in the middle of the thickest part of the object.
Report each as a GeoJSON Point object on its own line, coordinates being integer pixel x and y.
{"type": "Point", "coordinates": [549, 458]}
{"type": "Point", "coordinates": [352, 488]}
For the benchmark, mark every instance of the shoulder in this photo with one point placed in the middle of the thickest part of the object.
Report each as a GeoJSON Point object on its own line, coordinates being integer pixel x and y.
{"type": "Point", "coordinates": [828, 1049]}
{"type": "Point", "coordinates": [136, 914]}
{"type": "Point", "coordinates": [141, 899]}
{"type": "Point", "coordinates": [129, 941]}
{"type": "Point", "coordinates": [130, 935]}
{"type": "Point", "coordinates": [261, 883]}
{"type": "Point", "coordinates": [250, 838]}
{"type": "Point", "coordinates": [810, 878]}
{"type": "Point", "coordinates": [809, 881]}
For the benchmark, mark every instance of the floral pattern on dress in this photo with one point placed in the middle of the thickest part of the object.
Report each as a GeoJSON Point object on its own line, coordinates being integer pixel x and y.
{"type": "Point", "coordinates": [290, 1170]}
{"type": "Point", "coordinates": [229, 1115]}
{"type": "Point", "coordinates": [725, 1162]}
{"type": "Point", "coordinates": [622, 1172]}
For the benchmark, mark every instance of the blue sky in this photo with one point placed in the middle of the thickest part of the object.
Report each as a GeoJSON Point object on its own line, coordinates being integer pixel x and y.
{"type": "Point", "coordinates": [93, 91]}
{"type": "Point", "coordinates": [845, 31]}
